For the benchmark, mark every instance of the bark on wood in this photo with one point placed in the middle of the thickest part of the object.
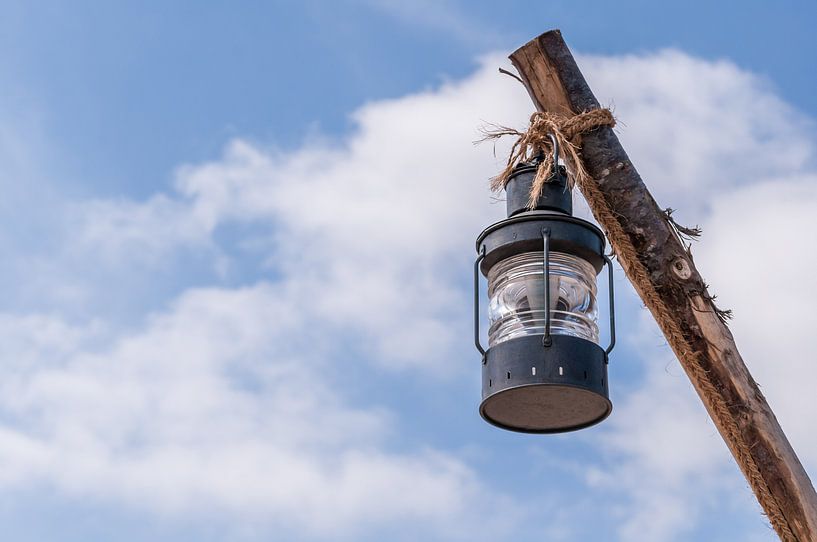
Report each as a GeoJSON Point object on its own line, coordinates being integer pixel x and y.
{"type": "Point", "coordinates": [675, 293]}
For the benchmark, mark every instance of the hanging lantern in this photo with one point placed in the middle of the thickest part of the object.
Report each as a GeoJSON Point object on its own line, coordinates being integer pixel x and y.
{"type": "Point", "coordinates": [543, 371]}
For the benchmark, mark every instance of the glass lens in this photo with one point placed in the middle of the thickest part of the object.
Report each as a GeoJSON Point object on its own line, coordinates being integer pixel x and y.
{"type": "Point", "coordinates": [517, 297]}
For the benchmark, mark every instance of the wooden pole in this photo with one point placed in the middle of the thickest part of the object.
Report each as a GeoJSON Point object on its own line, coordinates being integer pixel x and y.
{"type": "Point", "coordinates": [661, 269]}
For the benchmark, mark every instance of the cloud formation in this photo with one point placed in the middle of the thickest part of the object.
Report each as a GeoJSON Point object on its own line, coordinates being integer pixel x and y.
{"type": "Point", "coordinates": [214, 406]}
{"type": "Point", "coordinates": [228, 398]}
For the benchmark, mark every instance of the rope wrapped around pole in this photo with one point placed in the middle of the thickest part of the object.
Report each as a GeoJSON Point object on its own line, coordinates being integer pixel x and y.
{"type": "Point", "coordinates": [535, 140]}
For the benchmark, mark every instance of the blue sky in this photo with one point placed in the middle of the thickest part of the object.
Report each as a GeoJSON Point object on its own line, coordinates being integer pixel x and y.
{"type": "Point", "coordinates": [237, 242]}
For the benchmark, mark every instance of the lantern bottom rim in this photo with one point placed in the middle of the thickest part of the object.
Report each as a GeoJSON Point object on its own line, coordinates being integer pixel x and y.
{"type": "Point", "coordinates": [545, 408]}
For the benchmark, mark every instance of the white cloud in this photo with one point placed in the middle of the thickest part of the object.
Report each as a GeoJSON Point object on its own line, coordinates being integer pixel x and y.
{"type": "Point", "coordinates": [757, 256]}
{"type": "Point", "coordinates": [696, 129]}
{"type": "Point", "coordinates": [218, 404]}
{"type": "Point", "coordinates": [377, 229]}
{"type": "Point", "coordinates": [143, 230]}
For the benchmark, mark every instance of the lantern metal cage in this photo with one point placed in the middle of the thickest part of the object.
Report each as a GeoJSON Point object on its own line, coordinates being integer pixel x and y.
{"type": "Point", "coordinates": [544, 371]}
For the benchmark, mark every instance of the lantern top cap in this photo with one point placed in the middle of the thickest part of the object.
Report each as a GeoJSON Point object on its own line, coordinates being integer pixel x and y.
{"type": "Point", "coordinates": [523, 233]}
{"type": "Point", "coordinates": [555, 195]}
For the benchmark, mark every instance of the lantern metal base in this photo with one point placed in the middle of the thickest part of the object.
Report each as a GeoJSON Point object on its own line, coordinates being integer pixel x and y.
{"type": "Point", "coordinates": [531, 388]}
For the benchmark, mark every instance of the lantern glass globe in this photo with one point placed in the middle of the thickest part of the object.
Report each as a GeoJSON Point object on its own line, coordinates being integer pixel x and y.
{"type": "Point", "coordinates": [516, 289]}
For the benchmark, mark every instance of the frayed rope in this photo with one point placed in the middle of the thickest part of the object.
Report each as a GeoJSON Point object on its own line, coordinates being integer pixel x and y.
{"type": "Point", "coordinates": [535, 141]}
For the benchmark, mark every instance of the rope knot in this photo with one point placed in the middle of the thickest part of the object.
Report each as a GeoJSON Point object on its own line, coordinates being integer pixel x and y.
{"type": "Point", "coordinates": [535, 141]}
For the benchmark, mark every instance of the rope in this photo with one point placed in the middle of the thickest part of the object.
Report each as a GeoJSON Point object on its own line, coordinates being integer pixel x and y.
{"type": "Point", "coordinates": [535, 140]}
{"type": "Point", "coordinates": [567, 131]}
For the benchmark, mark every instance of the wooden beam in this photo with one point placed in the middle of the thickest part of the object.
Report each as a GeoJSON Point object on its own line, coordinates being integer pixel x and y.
{"type": "Point", "coordinates": [664, 275]}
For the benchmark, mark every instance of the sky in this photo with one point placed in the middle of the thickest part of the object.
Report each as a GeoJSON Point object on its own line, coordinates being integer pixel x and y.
{"type": "Point", "coordinates": [237, 243]}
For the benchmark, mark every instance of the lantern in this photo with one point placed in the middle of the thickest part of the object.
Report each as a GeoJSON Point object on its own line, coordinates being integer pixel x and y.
{"type": "Point", "coordinates": [544, 370]}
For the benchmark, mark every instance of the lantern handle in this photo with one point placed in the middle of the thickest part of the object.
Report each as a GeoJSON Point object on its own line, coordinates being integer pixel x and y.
{"type": "Point", "coordinates": [476, 302]}
{"type": "Point", "coordinates": [609, 264]}
{"type": "Point", "coordinates": [546, 339]}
